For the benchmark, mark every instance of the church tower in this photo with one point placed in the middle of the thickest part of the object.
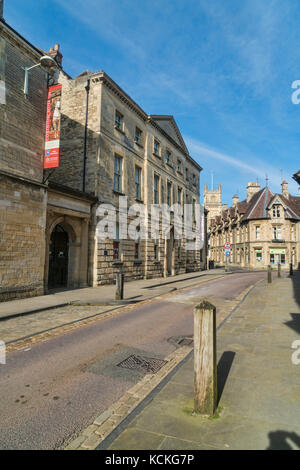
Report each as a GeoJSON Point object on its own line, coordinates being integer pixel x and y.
{"type": "Point", "coordinates": [213, 202]}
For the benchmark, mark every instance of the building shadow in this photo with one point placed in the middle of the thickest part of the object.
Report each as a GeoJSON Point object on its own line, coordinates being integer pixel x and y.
{"type": "Point", "coordinates": [223, 371]}
{"type": "Point", "coordinates": [296, 285]}
{"type": "Point", "coordinates": [294, 324]}
{"type": "Point", "coordinates": [283, 440]}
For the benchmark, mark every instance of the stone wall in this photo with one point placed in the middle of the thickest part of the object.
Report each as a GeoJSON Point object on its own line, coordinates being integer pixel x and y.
{"type": "Point", "coordinates": [23, 197]}
{"type": "Point", "coordinates": [22, 238]}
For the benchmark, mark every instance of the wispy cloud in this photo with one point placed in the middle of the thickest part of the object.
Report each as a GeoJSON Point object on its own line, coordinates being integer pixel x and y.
{"type": "Point", "coordinates": [258, 168]}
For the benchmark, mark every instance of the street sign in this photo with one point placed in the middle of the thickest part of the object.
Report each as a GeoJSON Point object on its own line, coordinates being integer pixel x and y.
{"type": "Point", "coordinates": [227, 253]}
{"type": "Point", "coordinates": [227, 246]}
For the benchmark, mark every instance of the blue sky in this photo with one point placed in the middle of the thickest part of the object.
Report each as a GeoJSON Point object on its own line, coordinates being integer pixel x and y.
{"type": "Point", "coordinates": [223, 69]}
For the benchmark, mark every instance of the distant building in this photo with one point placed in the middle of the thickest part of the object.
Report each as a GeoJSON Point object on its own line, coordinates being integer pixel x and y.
{"type": "Point", "coordinates": [263, 229]}
{"type": "Point", "coordinates": [296, 177]}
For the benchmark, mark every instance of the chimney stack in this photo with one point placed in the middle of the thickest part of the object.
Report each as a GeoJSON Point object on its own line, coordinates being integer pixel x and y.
{"type": "Point", "coordinates": [56, 54]}
{"type": "Point", "coordinates": [285, 189]}
{"type": "Point", "coordinates": [235, 200]}
{"type": "Point", "coordinates": [1, 9]}
{"type": "Point", "coordinates": [252, 188]}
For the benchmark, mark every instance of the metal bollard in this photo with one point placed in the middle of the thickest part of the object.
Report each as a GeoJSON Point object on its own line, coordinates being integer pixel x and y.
{"type": "Point", "coordinates": [269, 274]}
{"type": "Point", "coordinates": [279, 270]}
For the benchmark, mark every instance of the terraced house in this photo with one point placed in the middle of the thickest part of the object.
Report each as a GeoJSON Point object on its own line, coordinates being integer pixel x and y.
{"type": "Point", "coordinates": [263, 230]}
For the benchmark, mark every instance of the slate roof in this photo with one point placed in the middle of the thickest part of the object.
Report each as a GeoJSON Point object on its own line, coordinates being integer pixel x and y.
{"type": "Point", "coordinates": [257, 207]}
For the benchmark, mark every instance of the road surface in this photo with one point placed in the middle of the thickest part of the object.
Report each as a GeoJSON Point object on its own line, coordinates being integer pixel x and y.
{"type": "Point", "coordinates": [52, 390]}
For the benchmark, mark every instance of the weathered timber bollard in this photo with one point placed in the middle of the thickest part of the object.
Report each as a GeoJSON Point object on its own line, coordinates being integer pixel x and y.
{"type": "Point", "coordinates": [269, 274]}
{"type": "Point", "coordinates": [120, 286]}
{"type": "Point", "coordinates": [291, 269]}
{"type": "Point", "coordinates": [205, 360]}
{"type": "Point", "coordinates": [279, 270]}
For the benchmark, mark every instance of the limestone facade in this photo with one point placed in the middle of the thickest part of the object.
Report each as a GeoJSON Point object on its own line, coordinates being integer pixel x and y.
{"type": "Point", "coordinates": [102, 125]}
{"type": "Point", "coordinates": [26, 225]}
{"type": "Point", "coordinates": [263, 230]}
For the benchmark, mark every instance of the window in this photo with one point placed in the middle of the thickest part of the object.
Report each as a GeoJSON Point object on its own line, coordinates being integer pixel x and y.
{"type": "Point", "coordinates": [258, 254]}
{"type": "Point", "coordinates": [168, 157]}
{"type": "Point", "coordinates": [179, 166]}
{"type": "Point", "coordinates": [119, 119]}
{"type": "Point", "coordinates": [276, 211]}
{"type": "Point", "coordinates": [137, 250]}
{"type": "Point", "coordinates": [277, 234]}
{"type": "Point", "coordinates": [194, 179]}
{"type": "Point", "coordinates": [156, 147]}
{"type": "Point", "coordinates": [179, 199]}
{"type": "Point", "coordinates": [138, 136]}
{"type": "Point", "coordinates": [194, 210]}
{"type": "Point", "coordinates": [257, 232]}
{"type": "Point", "coordinates": [138, 179]}
{"type": "Point", "coordinates": [169, 194]}
{"type": "Point", "coordinates": [293, 232]}
{"type": "Point", "coordinates": [156, 251]}
{"type": "Point", "coordinates": [187, 174]}
{"type": "Point", "coordinates": [118, 174]}
{"type": "Point", "coordinates": [156, 189]}
{"type": "Point", "coordinates": [116, 244]}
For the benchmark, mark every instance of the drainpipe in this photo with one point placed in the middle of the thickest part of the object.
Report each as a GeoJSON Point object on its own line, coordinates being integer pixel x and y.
{"type": "Point", "coordinates": [87, 88]}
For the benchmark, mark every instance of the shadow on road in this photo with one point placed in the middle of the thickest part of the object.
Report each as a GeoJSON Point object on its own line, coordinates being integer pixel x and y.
{"type": "Point", "coordinates": [224, 367]}
{"type": "Point", "coordinates": [294, 323]}
{"type": "Point", "coordinates": [283, 440]}
{"type": "Point", "coordinates": [296, 285]}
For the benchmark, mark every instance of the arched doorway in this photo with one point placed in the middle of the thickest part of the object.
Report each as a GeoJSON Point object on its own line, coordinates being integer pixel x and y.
{"type": "Point", "coordinates": [58, 258]}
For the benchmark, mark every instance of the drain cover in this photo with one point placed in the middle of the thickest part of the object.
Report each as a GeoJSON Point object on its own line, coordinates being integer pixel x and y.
{"type": "Point", "coordinates": [186, 341]}
{"type": "Point", "coordinates": [148, 365]}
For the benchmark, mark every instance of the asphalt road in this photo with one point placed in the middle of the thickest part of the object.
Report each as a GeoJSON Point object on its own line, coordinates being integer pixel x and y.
{"type": "Point", "coordinates": [51, 391]}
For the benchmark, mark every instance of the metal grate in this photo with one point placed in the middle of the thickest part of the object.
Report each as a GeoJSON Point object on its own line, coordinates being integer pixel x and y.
{"type": "Point", "coordinates": [148, 365]}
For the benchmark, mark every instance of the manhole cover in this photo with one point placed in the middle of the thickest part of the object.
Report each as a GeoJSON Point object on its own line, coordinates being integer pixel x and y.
{"type": "Point", "coordinates": [148, 365]}
{"type": "Point", "coordinates": [186, 341]}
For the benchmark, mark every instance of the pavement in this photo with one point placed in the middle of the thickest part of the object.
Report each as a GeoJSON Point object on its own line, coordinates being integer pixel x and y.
{"type": "Point", "coordinates": [258, 383]}
{"type": "Point", "coordinates": [56, 384]}
{"type": "Point", "coordinates": [135, 291]}
{"type": "Point", "coordinates": [23, 318]}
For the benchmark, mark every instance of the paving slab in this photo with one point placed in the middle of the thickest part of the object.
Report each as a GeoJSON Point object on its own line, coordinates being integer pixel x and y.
{"type": "Point", "coordinates": [259, 398]}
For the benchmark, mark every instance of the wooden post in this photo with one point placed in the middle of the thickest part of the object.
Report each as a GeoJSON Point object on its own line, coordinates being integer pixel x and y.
{"type": "Point", "coordinates": [291, 269]}
{"type": "Point", "coordinates": [119, 286]}
{"type": "Point", "coordinates": [279, 270]}
{"type": "Point", "coordinates": [269, 274]}
{"type": "Point", "coordinates": [205, 361]}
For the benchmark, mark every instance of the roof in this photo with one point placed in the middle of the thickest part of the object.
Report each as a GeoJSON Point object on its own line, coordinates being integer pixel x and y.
{"type": "Point", "coordinates": [296, 177]}
{"type": "Point", "coordinates": [258, 207]}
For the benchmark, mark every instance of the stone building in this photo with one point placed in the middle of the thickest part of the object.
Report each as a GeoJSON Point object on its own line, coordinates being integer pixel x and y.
{"type": "Point", "coordinates": [296, 177]}
{"type": "Point", "coordinates": [263, 229]}
{"type": "Point", "coordinates": [111, 147]}
{"type": "Point", "coordinates": [33, 214]}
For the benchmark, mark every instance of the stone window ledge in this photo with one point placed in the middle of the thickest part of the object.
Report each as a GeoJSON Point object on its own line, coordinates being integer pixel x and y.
{"type": "Point", "coordinates": [119, 130]}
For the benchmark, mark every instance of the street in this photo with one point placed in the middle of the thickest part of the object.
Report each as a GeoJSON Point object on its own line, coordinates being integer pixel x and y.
{"type": "Point", "coordinates": [53, 389]}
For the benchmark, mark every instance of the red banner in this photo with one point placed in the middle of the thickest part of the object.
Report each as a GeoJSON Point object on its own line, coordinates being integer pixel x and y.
{"type": "Point", "coordinates": [53, 127]}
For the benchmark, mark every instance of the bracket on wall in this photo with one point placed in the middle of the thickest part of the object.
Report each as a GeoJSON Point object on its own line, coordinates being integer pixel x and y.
{"type": "Point", "coordinates": [48, 176]}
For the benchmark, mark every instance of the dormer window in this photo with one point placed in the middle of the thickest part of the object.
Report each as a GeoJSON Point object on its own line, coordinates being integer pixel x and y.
{"type": "Point", "coordinates": [276, 210]}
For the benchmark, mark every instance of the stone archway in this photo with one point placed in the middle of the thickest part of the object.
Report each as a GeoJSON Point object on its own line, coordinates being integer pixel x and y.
{"type": "Point", "coordinates": [61, 269]}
